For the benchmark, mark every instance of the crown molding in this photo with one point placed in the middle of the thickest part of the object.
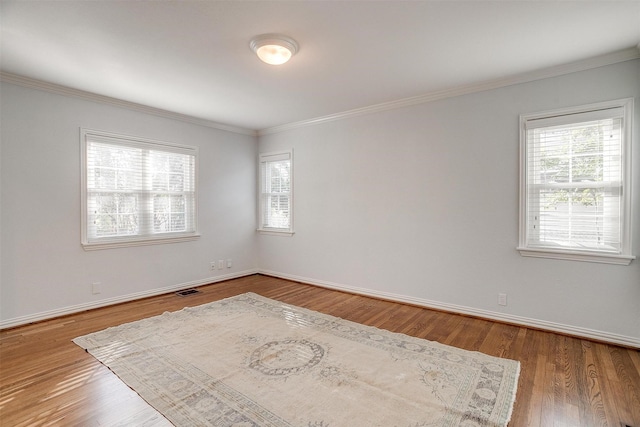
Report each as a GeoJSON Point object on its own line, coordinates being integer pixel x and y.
{"type": "Point", "coordinates": [76, 93]}
{"type": "Point", "coordinates": [572, 67]}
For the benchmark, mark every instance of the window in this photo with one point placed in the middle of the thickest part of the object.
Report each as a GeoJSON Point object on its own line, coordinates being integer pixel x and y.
{"type": "Point", "coordinates": [276, 192]}
{"type": "Point", "coordinates": [575, 196]}
{"type": "Point", "coordinates": [136, 191]}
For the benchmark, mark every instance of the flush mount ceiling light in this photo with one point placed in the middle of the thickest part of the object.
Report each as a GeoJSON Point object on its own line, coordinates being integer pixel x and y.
{"type": "Point", "coordinates": [274, 49]}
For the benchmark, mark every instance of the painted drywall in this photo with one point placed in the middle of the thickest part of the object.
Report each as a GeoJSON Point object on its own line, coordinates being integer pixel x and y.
{"type": "Point", "coordinates": [422, 202]}
{"type": "Point", "coordinates": [418, 203]}
{"type": "Point", "coordinates": [44, 267]}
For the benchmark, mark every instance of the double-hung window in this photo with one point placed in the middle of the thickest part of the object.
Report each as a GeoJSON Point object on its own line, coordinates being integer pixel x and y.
{"type": "Point", "coordinates": [575, 195]}
{"type": "Point", "coordinates": [276, 192]}
{"type": "Point", "coordinates": [136, 191]}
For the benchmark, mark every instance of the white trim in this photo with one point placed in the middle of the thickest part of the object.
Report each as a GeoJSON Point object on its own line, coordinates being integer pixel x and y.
{"type": "Point", "coordinates": [275, 232]}
{"type": "Point", "coordinates": [573, 67]}
{"type": "Point", "coordinates": [577, 256]}
{"type": "Point", "coordinates": [23, 320]}
{"type": "Point", "coordinates": [76, 93]}
{"type": "Point", "coordinates": [144, 241]}
{"type": "Point", "coordinates": [576, 331]}
{"type": "Point", "coordinates": [617, 105]}
{"type": "Point", "coordinates": [458, 309]}
{"type": "Point", "coordinates": [275, 156]}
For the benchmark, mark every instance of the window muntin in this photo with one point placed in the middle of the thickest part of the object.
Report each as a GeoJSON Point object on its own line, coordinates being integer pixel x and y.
{"type": "Point", "coordinates": [575, 183]}
{"type": "Point", "coordinates": [276, 192]}
{"type": "Point", "coordinates": [136, 191]}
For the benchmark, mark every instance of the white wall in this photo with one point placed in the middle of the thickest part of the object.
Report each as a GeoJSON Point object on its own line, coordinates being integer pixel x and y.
{"type": "Point", "coordinates": [421, 203]}
{"type": "Point", "coordinates": [418, 203]}
{"type": "Point", "coordinates": [44, 268]}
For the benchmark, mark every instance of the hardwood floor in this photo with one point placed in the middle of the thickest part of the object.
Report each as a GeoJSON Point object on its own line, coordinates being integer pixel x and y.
{"type": "Point", "coordinates": [45, 379]}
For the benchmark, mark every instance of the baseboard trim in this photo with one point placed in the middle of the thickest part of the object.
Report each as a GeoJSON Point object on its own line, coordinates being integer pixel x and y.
{"type": "Point", "coordinates": [575, 331]}
{"type": "Point", "coordinates": [45, 315]}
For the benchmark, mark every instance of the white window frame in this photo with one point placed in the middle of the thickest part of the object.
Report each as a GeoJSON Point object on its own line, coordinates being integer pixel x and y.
{"type": "Point", "coordinates": [148, 237]}
{"type": "Point", "coordinates": [263, 159]}
{"type": "Point", "coordinates": [563, 116]}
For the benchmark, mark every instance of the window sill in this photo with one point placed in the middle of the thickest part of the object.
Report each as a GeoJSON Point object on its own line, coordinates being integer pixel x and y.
{"type": "Point", "coordinates": [143, 241]}
{"type": "Point", "coordinates": [577, 256]}
{"type": "Point", "coordinates": [275, 232]}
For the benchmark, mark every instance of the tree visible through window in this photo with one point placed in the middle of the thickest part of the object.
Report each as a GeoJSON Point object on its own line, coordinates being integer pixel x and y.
{"type": "Point", "coordinates": [136, 190]}
{"type": "Point", "coordinates": [574, 181]}
{"type": "Point", "coordinates": [577, 174]}
{"type": "Point", "coordinates": [276, 184]}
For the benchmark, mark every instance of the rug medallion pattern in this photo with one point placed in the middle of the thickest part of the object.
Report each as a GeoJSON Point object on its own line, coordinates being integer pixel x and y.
{"type": "Point", "coordinates": [250, 361]}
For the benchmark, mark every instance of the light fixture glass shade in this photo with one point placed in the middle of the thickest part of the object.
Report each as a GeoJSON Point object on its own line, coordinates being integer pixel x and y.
{"type": "Point", "coordinates": [274, 49]}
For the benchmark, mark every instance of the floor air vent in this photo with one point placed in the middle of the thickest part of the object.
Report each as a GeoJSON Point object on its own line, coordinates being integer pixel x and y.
{"type": "Point", "coordinates": [187, 292]}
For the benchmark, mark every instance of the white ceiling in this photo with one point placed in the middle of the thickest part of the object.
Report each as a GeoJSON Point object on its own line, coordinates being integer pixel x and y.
{"type": "Point", "coordinates": [193, 57]}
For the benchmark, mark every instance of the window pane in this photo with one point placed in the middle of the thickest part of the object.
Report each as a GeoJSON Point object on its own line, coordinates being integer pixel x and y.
{"type": "Point", "coordinates": [113, 167]}
{"type": "Point", "coordinates": [169, 213]}
{"type": "Point", "coordinates": [581, 218]}
{"type": "Point", "coordinates": [161, 213]}
{"type": "Point", "coordinates": [177, 222]}
{"type": "Point", "coordinates": [105, 179]}
{"type": "Point", "coordinates": [276, 211]}
{"type": "Point", "coordinates": [176, 182]}
{"type": "Point", "coordinates": [277, 177]}
{"type": "Point", "coordinates": [168, 171]}
{"type": "Point", "coordinates": [114, 214]}
{"type": "Point", "coordinates": [589, 151]}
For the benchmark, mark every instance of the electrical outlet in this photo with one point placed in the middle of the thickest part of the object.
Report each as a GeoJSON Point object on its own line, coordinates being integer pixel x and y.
{"type": "Point", "coordinates": [220, 264]}
{"type": "Point", "coordinates": [229, 263]}
{"type": "Point", "coordinates": [212, 265]}
{"type": "Point", "coordinates": [95, 288]}
{"type": "Point", "coordinates": [502, 299]}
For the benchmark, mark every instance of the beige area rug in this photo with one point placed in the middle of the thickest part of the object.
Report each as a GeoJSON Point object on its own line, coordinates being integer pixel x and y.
{"type": "Point", "coordinates": [252, 361]}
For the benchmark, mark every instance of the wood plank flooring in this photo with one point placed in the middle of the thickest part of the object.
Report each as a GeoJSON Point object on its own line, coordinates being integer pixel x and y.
{"type": "Point", "coordinates": [46, 380]}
